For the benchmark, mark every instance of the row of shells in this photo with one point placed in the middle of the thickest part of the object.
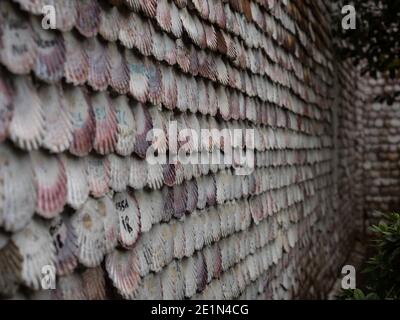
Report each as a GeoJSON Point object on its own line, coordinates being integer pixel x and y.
{"type": "Point", "coordinates": [66, 240]}
{"type": "Point", "coordinates": [47, 183]}
{"type": "Point", "coordinates": [175, 21]}
{"type": "Point", "coordinates": [72, 119]}
{"type": "Point", "coordinates": [51, 56]}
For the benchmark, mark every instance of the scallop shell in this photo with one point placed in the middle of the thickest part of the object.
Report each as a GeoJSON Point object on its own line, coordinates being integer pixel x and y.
{"type": "Point", "coordinates": [17, 189]}
{"type": "Point", "coordinates": [152, 289]}
{"type": "Point", "coordinates": [58, 123]}
{"type": "Point", "coordinates": [159, 135]}
{"type": "Point", "coordinates": [119, 71]}
{"type": "Point", "coordinates": [27, 125]}
{"type": "Point", "coordinates": [159, 50]}
{"type": "Point", "coordinates": [147, 214]}
{"type": "Point", "coordinates": [98, 175]}
{"type": "Point", "coordinates": [217, 13]}
{"type": "Point", "coordinates": [154, 249]}
{"type": "Point", "coordinates": [143, 127]}
{"type": "Point", "coordinates": [182, 55]}
{"type": "Point", "coordinates": [203, 98]}
{"type": "Point", "coordinates": [155, 176]}
{"type": "Point", "coordinates": [136, 32]}
{"type": "Point", "coordinates": [189, 231]}
{"type": "Point", "coordinates": [192, 195]}
{"type": "Point", "coordinates": [169, 174]}
{"type": "Point", "coordinates": [129, 219]}
{"type": "Point", "coordinates": [109, 24]}
{"type": "Point", "coordinates": [77, 183]}
{"type": "Point", "coordinates": [170, 50]}
{"type": "Point", "coordinates": [67, 13]}
{"type": "Point", "coordinates": [194, 61]}
{"type": "Point", "coordinates": [179, 239]}
{"type": "Point", "coordinates": [163, 16]}
{"type": "Point", "coordinates": [188, 270]}
{"type": "Point", "coordinates": [178, 195]}
{"type": "Point", "coordinates": [76, 65]}
{"type": "Point", "coordinates": [138, 173]}
{"type": "Point", "coordinates": [181, 3]}
{"type": "Point", "coordinates": [123, 270]}
{"type": "Point", "coordinates": [51, 184]}
{"type": "Point", "coordinates": [10, 269]}
{"type": "Point", "coordinates": [88, 18]}
{"type": "Point", "coordinates": [69, 287]}
{"type": "Point", "coordinates": [168, 242]}
{"type": "Point", "coordinates": [36, 247]}
{"type": "Point", "coordinates": [200, 33]}
{"type": "Point", "coordinates": [213, 99]}
{"type": "Point", "coordinates": [154, 77]}
{"type": "Point", "coordinates": [105, 122]}
{"type": "Point", "coordinates": [87, 224]}
{"type": "Point", "coordinates": [99, 64]}
{"type": "Point", "coordinates": [201, 193]}
{"type": "Point", "coordinates": [18, 49]}
{"type": "Point", "coordinates": [6, 107]}
{"type": "Point", "coordinates": [211, 37]}
{"type": "Point", "coordinates": [132, 4]}
{"type": "Point", "coordinates": [139, 82]}
{"type": "Point", "coordinates": [172, 282]}
{"type": "Point", "coordinates": [182, 98]}
{"type": "Point", "coordinates": [119, 172]}
{"type": "Point", "coordinates": [211, 190]}
{"type": "Point", "coordinates": [107, 211]}
{"type": "Point", "coordinates": [176, 23]}
{"type": "Point", "coordinates": [202, 8]}
{"type": "Point", "coordinates": [33, 6]}
{"type": "Point", "coordinates": [94, 284]}
{"type": "Point", "coordinates": [201, 271]}
{"type": "Point", "coordinates": [126, 127]}
{"type": "Point", "coordinates": [49, 65]}
{"type": "Point", "coordinates": [189, 25]}
{"type": "Point", "coordinates": [222, 72]}
{"type": "Point", "coordinates": [148, 7]}
{"type": "Point", "coordinates": [80, 111]}
{"type": "Point", "coordinates": [65, 243]}
{"type": "Point", "coordinates": [169, 92]}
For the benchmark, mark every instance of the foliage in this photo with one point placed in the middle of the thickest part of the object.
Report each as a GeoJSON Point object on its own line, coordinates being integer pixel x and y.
{"type": "Point", "coordinates": [383, 268]}
{"type": "Point", "coordinates": [375, 43]}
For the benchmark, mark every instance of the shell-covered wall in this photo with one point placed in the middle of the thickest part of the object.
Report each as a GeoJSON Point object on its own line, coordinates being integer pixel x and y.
{"type": "Point", "coordinates": [381, 162]}
{"type": "Point", "coordinates": [77, 193]}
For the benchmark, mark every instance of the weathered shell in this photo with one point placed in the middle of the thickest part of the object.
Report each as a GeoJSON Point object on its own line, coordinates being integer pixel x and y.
{"type": "Point", "coordinates": [123, 269]}
{"type": "Point", "coordinates": [36, 247]}
{"type": "Point", "coordinates": [88, 18]}
{"type": "Point", "coordinates": [58, 123]}
{"type": "Point", "coordinates": [18, 47]}
{"type": "Point", "coordinates": [99, 64]}
{"type": "Point", "coordinates": [17, 189]}
{"type": "Point", "coordinates": [6, 107]}
{"type": "Point", "coordinates": [49, 64]}
{"type": "Point", "coordinates": [27, 125]}
{"type": "Point", "coordinates": [126, 127]}
{"type": "Point", "coordinates": [129, 218]}
{"type": "Point", "coordinates": [65, 242]}
{"type": "Point", "coordinates": [50, 182]}
{"type": "Point", "coordinates": [87, 224]}
{"type": "Point", "coordinates": [105, 123]}
{"type": "Point", "coordinates": [98, 175]}
{"type": "Point", "coordinates": [76, 65]}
